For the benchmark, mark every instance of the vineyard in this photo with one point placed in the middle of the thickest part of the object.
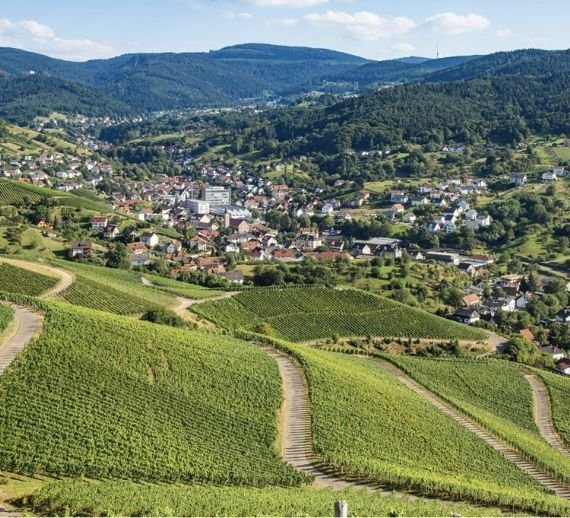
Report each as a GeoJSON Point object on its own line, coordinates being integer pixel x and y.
{"type": "Point", "coordinates": [6, 317]}
{"type": "Point", "coordinates": [17, 193]}
{"type": "Point", "coordinates": [103, 396]}
{"type": "Point", "coordinates": [113, 290]}
{"type": "Point", "coordinates": [81, 498]}
{"type": "Point", "coordinates": [181, 289]}
{"type": "Point", "coordinates": [496, 394]}
{"type": "Point", "coordinates": [559, 389]}
{"type": "Point", "coordinates": [25, 282]}
{"type": "Point", "coordinates": [368, 424]}
{"type": "Point", "coordinates": [302, 314]}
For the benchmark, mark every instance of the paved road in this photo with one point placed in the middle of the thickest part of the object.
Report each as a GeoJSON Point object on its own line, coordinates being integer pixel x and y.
{"type": "Point", "coordinates": [29, 325]}
{"type": "Point", "coordinates": [66, 278]}
{"type": "Point", "coordinates": [543, 415]}
{"type": "Point", "coordinates": [559, 489]}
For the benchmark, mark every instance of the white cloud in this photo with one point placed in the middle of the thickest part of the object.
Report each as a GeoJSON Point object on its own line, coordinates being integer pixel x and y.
{"type": "Point", "coordinates": [285, 3]}
{"type": "Point", "coordinates": [37, 30]}
{"type": "Point", "coordinates": [285, 22]}
{"type": "Point", "coordinates": [403, 48]}
{"type": "Point", "coordinates": [35, 36]}
{"type": "Point", "coordinates": [454, 24]}
{"type": "Point", "coordinates": [6, 26]}
{"type": "Point", "coordinates": [364, 25]}
{"type": "Point", "coordinates": [505, 33]}
{"type": "Point", "coordinates": [230, 15]}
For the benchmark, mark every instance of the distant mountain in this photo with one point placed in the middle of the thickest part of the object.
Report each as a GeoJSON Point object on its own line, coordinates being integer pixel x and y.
{"type": "Point", "coordinates": [530, 62]}
{"type": "Point", "coordinates": [397, 70]}
{"type": "Point", "coordinates": [33, 83]}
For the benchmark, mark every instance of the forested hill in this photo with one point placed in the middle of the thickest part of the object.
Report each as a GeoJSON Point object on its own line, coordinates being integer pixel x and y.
{"type": "Point", "coordinates": [503, 109]}
{"type": "Point", "coordinates": [151, 82]}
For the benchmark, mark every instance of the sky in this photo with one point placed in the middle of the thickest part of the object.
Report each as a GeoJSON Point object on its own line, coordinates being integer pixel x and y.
{"type": "Point", "coordinates": [376, 29]}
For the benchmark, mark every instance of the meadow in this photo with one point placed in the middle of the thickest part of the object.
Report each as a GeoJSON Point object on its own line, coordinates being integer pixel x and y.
{"type": "Point", "coordinates": [303, 314]}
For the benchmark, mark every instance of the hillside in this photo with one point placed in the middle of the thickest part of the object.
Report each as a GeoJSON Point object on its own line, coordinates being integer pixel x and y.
{"type": "Point", "coordinates": [303, 314]}
{"type": "Point", "coordinates": [109, 397]}
{"type": "Point", "coordinates": [132, 83]}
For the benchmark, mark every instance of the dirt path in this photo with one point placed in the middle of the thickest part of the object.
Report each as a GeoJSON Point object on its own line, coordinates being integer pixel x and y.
{"type": "Point", "coordinates": [510, 454]}
{"type": "Point", "coordinates": [29, 325]}
{"type": "Point", "coordinates": [543, 415]}
{"type": "Point", "coordinates": [66, 278]}
{"type": "Point", "coordinates": [296, 434]}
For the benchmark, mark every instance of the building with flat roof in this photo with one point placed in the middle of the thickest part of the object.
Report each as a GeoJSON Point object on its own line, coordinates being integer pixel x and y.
{"type": "Point", "coordinates": [217, 195]}
{"type": "Point", "coordinates": [197, 206]}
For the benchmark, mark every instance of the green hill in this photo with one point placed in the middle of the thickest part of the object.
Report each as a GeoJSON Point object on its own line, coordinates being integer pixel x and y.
{"type": "Point", "coordinates": [496, 394]}
{"type": "Point", "coordinates": [302, 314]}
{"type": "Point", "coordinates": [109, 397]}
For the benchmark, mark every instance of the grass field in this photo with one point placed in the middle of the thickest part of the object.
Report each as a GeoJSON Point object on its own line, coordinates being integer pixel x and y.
{"type": "Point", "coordinates": [82, 498]}
{"type": "Point", "coordinates": [303, 314]}
{"type": "Point", "coordinates": [496, 394]}
{"type": "Point", "coordinates": [181, 289]}
{"type": "Point", "coordinates": [103, 396]}
{"type": "Point", "coordinates": [25, 282]}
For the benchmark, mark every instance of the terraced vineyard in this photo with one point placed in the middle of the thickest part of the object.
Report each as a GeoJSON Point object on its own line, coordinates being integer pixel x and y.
{"type": "Point", "coordinates": [102, 396]}
{"type": "Point", "coordinates": [25, 282]}
{"type": "Point", "coordinates": [6, 317]}
{"type": "Point", "coordinates": [367, 424]}
{"type": "Point", "coordinates": [302, 314]}
{"type": "Point", "coordinates": [81, 498]}
{"type": "Point", "coordinates": [496, 394]}
{"type": "Point", "coordinates": [559, 390]}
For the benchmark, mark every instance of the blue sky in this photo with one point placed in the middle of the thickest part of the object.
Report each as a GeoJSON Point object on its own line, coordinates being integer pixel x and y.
{"type": "Point", "coordinates": [378, 29]}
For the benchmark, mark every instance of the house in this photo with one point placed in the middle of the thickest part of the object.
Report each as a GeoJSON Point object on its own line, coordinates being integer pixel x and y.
{"type": "Point", "coordinates": [421, 200]}
{"type": "Point", "coordinates": [563, 316]}
{"type": "Point", "coordinates": [466, 315]}
{"type": "Point", "coordinates": [444, 257]}
{"type": "Point", "coordinates": [527, 334]}
{"type": "Point", "coordinates": [361, 249]}
{"type": "Point", "coordinates": [80, 249]}
{"type": "Point", "coordinates": [150, 239]}
{"type": "Point", "coordinates": [506, 304]}
{"type": "Point", "coordinates": [399, 197]}
{"type": "Point", "coordinates": [409, 217]}
{"type": "Point", "coordinates": [234, 276]}
{"type": "Point", "coordinates": [137, 248]}
{"type": "Point", "coordinates": [140, 259]}
{"type": "Point", "coordinates": [172, 247]}
{"type": "Point", "coordinates": [563, 365]}
{"type": "Point", "coordinates": [471, 300]}
{"type": "Point", "coordinates": [198, 243]}
{"type": "Point", "coordinates": [327, 209]}
{"type": "Point", "coordinates": [523, 300]}
{"type": "Point", "coordinates": [99, 222]}
{"type": "Point", "coordinates": [111, 232]}
{"type": "Point", "coordinates": [549, 176]}
{"type": "Point", "coordinates": [286, 255]}
{"type": "Point", "coordinates": [518, 179]}
{"type": "Point", "coordinates": [398, 208]}
{"type": "Point", "coordinates": [553, 351]}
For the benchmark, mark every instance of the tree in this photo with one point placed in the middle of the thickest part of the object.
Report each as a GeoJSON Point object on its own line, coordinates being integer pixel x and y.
{"type": "Point", "coordinates": [118, 256]}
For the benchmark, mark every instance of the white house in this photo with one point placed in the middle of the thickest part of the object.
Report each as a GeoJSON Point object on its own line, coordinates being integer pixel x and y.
{"type": "Point", "coordinates": [549, 176]}
{"type": "Point", "coordinates": [327, 209]}
{"type": "Point", "coordinates": [150, 239]}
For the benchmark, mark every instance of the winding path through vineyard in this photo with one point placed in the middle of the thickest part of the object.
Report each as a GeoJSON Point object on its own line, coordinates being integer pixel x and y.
{"type": "Point", "coordinates": [28, 325]}
{"type": "Point", "coordinates": [297, 442]}
{"type": "Point", "coordinates": [543, 415]}
{"type": "Point", "coordinates": [510, 454]}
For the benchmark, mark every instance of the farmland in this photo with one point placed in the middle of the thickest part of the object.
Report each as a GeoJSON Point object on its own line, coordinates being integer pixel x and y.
{"type": "Point", "coordinates": [108, 397]}
{"type": "Point", "coordinates": [81, 498]}
{"type": "Point", "coordinates": [559, 389]}
{"type": "Point", "coordinates": [113, 290]}
{"type": "Point", "coordinates": [302, 314]}
{"type": "Point", "coordinates": [181, 289]}
{"type": "Point", "coordinates": [496, 395]}
{"type": "Point", "coordinates": [25, 282]}
{"type": "Point", "coordinates": [6, 316]}
{"type": "Point", "coordinates": [365, 423]}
